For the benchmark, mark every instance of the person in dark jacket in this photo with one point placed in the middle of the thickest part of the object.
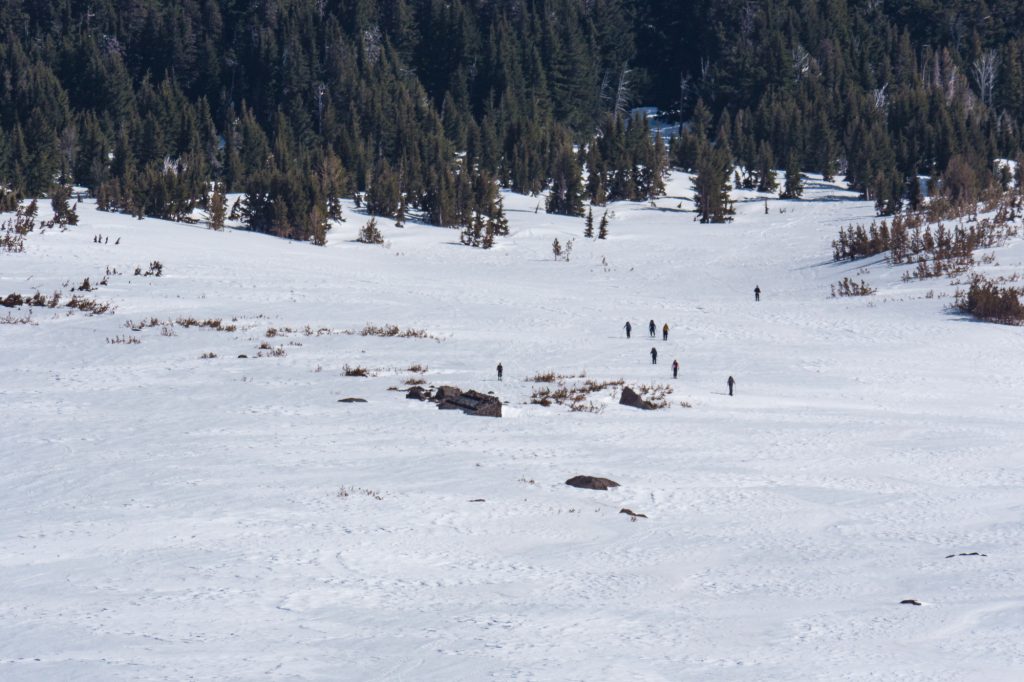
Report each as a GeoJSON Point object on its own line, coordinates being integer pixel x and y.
{"type": "Point", "coordinates": [731, 382]}
{"type": "Point", "coordinates": [757, 293]}
{"type": "Point", "coordinates": [654, 356]}
{"type": "Point", "coordinates": [652, 328]}
{"type": "Point", "coordinates": [628, 328]}
{"type": "Point", "coordinates": [675, 369]}
{"type": "Point", "coordinates": [501, 371]}
{"type": "Point", "coordinates": [664, 332]}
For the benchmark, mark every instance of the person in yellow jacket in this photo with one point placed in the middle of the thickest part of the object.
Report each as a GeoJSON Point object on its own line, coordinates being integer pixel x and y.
{"type": "Point", "coordinates": [664, 332]}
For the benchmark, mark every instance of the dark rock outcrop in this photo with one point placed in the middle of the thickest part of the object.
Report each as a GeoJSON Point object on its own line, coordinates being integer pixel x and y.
{"type": "Point", "coordinates": [631, 398]}
{"type": "Point", "coordinates": [912, 602]}
{"type": "Point", "coordinates": [417, 393]}
{"type": "Point", "coordinates": [446, 393]}
{"type": "Point", "coordinates": [632, 513]}
{"type": "Point", "coordinates": [472, 403]}
{"type": "Point", "coordinates": [591, 483]}
{"type": "Point", "coordinates": [352, 400]}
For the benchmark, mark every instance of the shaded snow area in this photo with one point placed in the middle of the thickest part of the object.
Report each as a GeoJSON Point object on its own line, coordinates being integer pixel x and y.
{"type": "Point", "coordinates": [169, 517]}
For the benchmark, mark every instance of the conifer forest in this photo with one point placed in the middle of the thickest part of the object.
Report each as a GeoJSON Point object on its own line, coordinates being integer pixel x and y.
{"type": "Point", "coordinates": [423, 107]}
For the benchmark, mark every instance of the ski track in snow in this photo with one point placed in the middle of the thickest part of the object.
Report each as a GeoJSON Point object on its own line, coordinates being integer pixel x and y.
{"type": "Point", "coordinates": [164, 517]}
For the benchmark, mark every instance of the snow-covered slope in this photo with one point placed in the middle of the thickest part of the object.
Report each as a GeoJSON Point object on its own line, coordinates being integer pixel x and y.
{"type": "Point", "coordinates": [164, 516]}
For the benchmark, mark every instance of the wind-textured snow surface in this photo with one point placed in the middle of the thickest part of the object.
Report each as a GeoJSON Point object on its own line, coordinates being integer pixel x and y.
{"type": "Point", "coordinates": [167, 517]}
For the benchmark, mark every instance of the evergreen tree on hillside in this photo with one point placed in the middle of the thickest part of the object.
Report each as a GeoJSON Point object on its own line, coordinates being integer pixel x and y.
{"type": "Point", "coordinates": [566, 196]}
{"type": "Point", "coordinates": [711, 185]}
{"type": "Point", "coordinates": [794, 185]}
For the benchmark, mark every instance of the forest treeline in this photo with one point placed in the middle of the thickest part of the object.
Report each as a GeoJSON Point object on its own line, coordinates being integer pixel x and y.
{"type": "Point", "coordinates": [422, 107]}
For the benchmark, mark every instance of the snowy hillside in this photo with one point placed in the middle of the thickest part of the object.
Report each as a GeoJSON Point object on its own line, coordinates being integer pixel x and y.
{"type": "Point", "coordinates": [169, 516]}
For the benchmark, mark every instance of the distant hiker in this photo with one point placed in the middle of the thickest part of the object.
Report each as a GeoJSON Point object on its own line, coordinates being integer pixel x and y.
{"type": "Point", "coordinates": [731, 382]}
{"type": "Point", "coordinates": [501, 370]}
{"type": "Point", "coordinates": [664, 332]}
{"type": "Point", "coordinates": [628, 328]}
{"type": "Point", "coordinates": [654, 356]}
{"type": "Point", "coordinates": [652, 328]}
{"type": "Point", "coordinates": [757, 293]}
{"type": "Point", "coordinates": [675, 369]}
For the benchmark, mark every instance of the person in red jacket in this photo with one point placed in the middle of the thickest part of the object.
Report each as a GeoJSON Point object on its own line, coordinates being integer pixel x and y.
{"type": "Point", "coordinates": [675, 369]}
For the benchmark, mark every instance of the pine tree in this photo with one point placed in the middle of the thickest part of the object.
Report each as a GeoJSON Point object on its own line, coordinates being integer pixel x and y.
{"type": "Point", "coordinates": [588, 226]}
{"type": "Point", "coordinates": [711, 185]}
{"type": "Point", "coordinates": [217, 207]}
{"type": "Point", "coordinates": [794, 187]}
{"type": "Point", "coordinates": [63, 213]}
{"type": "Point", "coordinates": [602, 229]}
{"type": "Point", "coordinates": [566, 197]}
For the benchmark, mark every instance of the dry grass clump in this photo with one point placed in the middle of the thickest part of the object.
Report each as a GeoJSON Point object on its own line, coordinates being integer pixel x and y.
{"type": "Point", "coordinates": [216, 324]}
{"type": "Point", "coordinates": [417, 369]}
{"type": "Point", "coordinates": [656, 395]}
{"type": "Point", "coordinates": [575, 396]}
{"type": "Point", "coordinates": [550, 377]}
{"type": "Point", "coordinates": [348, 491]}
{"type": "Point", "coordinates": [356, 371]}
{"type": "Point", "coordinates": [11, 319]}
{"type": "Point", "coordinates": [393, 330]}
{"type": "Point", "coordinates": [127, 340]}
{"type": "Point", "coordinates": [415, 381]}
{"type": "Point", "coordinates": [90, 305]}
{"type": "Point", "coordinates": [208, 356]}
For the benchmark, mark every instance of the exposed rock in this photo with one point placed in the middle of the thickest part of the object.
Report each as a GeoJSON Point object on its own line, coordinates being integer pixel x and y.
{"type": "Point", "coordinates": [631, 398]}
{"type": "Point", "coordinates": [446, 393]}
{"type": "Point", "coordinates": [472, 403]}
{"type": "Point", "coordinates": [243, 355]}
{"type": "Point", "coordinates": [632, 513]}
{"type": "Point", "coordinates": [591, 483]}
{"type": "Point", "coordinates": [966, 554]}
{"type": "Point", "coordinates": [352, 400]}
{"type": "Point", "coordinates": [912, 602]}
{"type": "Point", "coordinates": [417, 393]}
{"type": "Point", "coordinates": [479, 500]}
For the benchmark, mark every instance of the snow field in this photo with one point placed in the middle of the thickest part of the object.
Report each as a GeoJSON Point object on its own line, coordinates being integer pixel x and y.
{"type": "Point", "coordinates": [164, 516]}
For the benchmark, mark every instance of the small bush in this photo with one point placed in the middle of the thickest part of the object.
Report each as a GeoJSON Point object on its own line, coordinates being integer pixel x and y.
{"type": "Point", "coordinates": [986, 300]}
{"type": "Point", "coordinates": [11, 319]}
{"type": "Point", "coordinates": [207, 356]}
{"type": "Point", "coordinates": [370, 233]}
{"type": "Point", "coordinates": [393, 330]}
{"type": "Point", "coordinates": [127, 340]}
{"type": "Point", "coordinates": [415, 381]}
{"type": "Point", "coordinates": [849, 287]}
{"type": "Point", "coordinates": [356, 371]}
{"type": "Point", "coordinates": [417, 369]}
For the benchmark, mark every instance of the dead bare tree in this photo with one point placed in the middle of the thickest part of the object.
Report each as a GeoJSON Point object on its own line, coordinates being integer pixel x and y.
{"type": "Point", "coordinates": [985, 70]}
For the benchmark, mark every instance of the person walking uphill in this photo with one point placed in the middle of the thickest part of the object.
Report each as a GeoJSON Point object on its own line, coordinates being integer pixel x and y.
{"type": "Point", "coordinates": [652, 328]}
{"type": "Point", "coordinates": [675, 369]}
{"type": "Point", "coordinates": [654, 356]}
{"type": "Point", "coordinates": [501, 370]}
{"type": "Point", "coordinates": [628, 328]}
{"type": "Point", "coordinates": [731, 382]}
{"type": "Point", "coordinates": [664, 332]}
{"type": "Point", "coordinates": [757, 293]}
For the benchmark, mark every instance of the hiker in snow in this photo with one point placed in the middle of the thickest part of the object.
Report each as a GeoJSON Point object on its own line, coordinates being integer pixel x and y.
{"type": "Point", "coordinates": [652, 328]}
{"type": "Point", "coordinates": [675, 369]}
{"type": "Point", "coordinates": [654, 356]}
{"type": "Point", "coordinates": [501, 370]}
{"type": "Point", "coordinates": [664, 332]}
{"type": "Point", "coordinates": [757, 293]}
{"type": "Point", "coordinates": [628, 328]}
{"type": "Point", "coordinates": [731, 382]}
